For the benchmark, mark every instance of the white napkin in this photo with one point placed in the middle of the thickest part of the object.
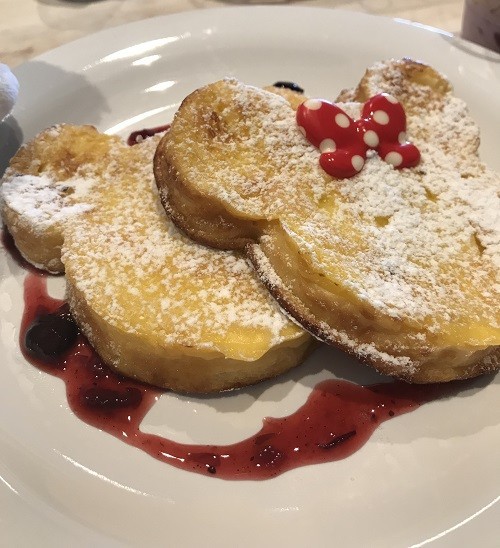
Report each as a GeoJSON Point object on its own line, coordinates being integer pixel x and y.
{"type": "Point", "coordinates": [9, 89]}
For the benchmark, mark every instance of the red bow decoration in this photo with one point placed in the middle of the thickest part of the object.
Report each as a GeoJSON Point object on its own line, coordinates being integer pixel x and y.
{"type": "Point", "coordinates": [344, 142]}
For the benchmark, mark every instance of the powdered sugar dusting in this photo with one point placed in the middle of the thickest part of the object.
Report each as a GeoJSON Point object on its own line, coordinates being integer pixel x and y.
{"type": "Point", "coordinates": [126, 255]}
{"type": "Point", "coordinates": [416, 247]}
{"type": "Point", "coordinates": [424, 235]}
{"type": "Point", "coordinates": [42, 201]}
{"type": "Point", "coordinates": [334, 336]}
{"type": "Point", "coordinates": [272, 154]}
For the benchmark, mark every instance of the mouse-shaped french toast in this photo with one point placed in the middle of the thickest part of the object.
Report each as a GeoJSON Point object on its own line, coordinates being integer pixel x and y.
{"type": "Point", "coordinates": [156, 306]}
{"type": "Point", "coordinates": [372, 220]}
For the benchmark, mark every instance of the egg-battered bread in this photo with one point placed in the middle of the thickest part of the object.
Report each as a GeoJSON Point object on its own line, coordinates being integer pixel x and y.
{"type": "Point", "coordinates": [46, 184]}
{"type": "Point", "coordinates": [398, 267]}
{"type": "Point", "coordinates": [155, 305]}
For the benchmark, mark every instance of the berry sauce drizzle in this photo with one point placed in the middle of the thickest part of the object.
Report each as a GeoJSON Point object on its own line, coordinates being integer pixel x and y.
{"type": "Point", "coordinates": [137, 136]}
{"type": "Point", "coordinates": [335, 421]}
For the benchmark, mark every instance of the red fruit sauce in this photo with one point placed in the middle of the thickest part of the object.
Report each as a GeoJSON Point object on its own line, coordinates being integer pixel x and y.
{"type": "Point", "coordinates": [138, 136]}
{"type": "Point", "coordinates": [335, 421]}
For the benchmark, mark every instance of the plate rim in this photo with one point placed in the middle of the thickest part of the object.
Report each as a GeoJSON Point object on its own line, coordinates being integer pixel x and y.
{"type": "Point", "coordinates": [212, 12]}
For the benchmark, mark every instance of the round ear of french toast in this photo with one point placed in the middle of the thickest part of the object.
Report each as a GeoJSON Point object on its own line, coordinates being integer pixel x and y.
{"type": "Point", "coordinates": [216, 226]}
{"type": "Point", "coordinates": [155, 306]}
{"type": "Point", "coordinates": [44, 185]}
{"type": "Point", "coordinates": [398, 267]}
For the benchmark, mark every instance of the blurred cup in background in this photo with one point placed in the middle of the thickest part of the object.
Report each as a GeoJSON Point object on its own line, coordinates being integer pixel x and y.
{"type": "Point", "coordinates": [481, 23]}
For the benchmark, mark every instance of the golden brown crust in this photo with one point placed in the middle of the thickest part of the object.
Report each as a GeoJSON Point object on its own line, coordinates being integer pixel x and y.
{"type": "Point", "coordinates": [216, 228]}
{"type": "Point", "coordinates": [349, 261]}
{"type": "Point", "coordinates": [404, 74]}
{"type": "Point", "coordinates": [154, 305]}
{"type": "Point", "coordinates": [443, 365]}
{"type": "Point", "coordinates": [60, 153]}
{"type": "Point", "coordinates": [179, 368]}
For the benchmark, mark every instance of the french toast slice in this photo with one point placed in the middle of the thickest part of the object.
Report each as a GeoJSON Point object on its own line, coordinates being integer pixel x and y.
{"type": "Point", "coordinates": [45, 184]}
{"type": "Point", "coordinates": [155, 306]}
{"type": "Point", "coordinates": [398, 267]}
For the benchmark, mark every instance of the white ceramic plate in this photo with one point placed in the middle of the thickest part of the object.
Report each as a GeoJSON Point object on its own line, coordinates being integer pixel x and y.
{"type": "Point", "coordinates": [429, 477]}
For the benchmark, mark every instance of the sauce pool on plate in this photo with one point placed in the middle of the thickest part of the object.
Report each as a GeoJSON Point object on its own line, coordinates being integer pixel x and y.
{"type": "Point", "coordinates": [335, 421]}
